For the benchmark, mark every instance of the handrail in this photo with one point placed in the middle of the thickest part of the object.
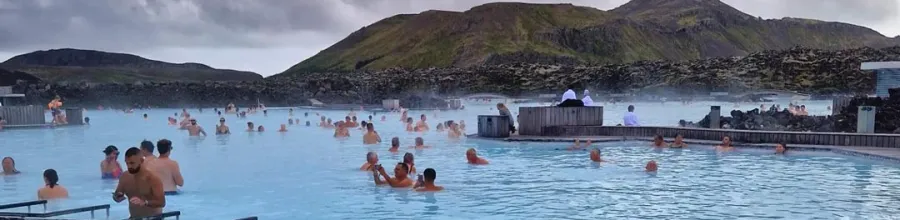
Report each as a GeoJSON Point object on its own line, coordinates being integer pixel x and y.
{"type": "Point", "coordinates": [176, 214]}
{"type": "Point", "coordinates": [26, 204]}
{"type": "Point", "coordinates": [58, 213]}
{"type": "Point", "coordinates": [248, 218]}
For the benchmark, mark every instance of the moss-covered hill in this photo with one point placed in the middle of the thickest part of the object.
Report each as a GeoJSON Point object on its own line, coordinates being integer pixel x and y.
{"type": "Point", "coordinates": [498, 33]}
{"type": "Point", "coordinates": [74, 65]}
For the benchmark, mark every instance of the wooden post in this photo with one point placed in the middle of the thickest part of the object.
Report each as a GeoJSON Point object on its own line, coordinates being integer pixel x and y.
{"type": "Point", "coordinates": [493, 126]}
{"type": "Point", "coordinates": [715, 112]}
{"type": "Point", "coordinates": [865, 119]}
{"type": "Point", "coordinates": [75, 116]}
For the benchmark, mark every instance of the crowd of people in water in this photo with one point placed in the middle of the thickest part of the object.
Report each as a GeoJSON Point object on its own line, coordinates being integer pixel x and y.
{"type": "Point", "coordinates": [150, 177]}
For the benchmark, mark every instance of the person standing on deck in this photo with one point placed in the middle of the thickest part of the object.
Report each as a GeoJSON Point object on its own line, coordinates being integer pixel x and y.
{"type": "Point", "coordinates": [504, 111]}
{"type": "Point", "coordinates": [630, 118]}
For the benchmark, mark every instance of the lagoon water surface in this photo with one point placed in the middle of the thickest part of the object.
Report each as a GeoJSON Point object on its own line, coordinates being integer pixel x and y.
{"type": "Point", "coordinates": [307, 174]}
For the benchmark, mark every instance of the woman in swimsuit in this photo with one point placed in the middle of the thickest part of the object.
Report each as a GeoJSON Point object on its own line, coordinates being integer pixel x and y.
{"type": "Point", "coordinates": [409, 160]}
{"type": "Point", "coordinates": [109, 166]}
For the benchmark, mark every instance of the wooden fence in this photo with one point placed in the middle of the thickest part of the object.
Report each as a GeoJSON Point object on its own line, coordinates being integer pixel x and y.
{"type": "Point", "coordinates": [838, 104]}
{"type": "Point", "coordinates": [23, 115]}
{"type": "Point", "coordinates": [745, 136]}
{"type": "Point", "coordinates": [532, 120]}
{"type": "Point", "coordinates": [75, 116]}
{"type": "Point", "coordinates": [493, 126]}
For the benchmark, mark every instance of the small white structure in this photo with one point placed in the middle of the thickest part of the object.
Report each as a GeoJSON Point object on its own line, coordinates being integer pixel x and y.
{"type": "Point", "coordinates": [887, 76]}
{"type": "Point", "coordinates": [390, 104]}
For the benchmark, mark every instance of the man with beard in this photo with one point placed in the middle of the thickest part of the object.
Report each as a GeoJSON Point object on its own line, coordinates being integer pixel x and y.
{"type": "Point", "coordinates": [143, 189]}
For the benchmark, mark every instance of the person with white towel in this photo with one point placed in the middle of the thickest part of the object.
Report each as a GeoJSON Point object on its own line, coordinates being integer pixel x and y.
{"type": "Point", "coordinates": [587, 98]}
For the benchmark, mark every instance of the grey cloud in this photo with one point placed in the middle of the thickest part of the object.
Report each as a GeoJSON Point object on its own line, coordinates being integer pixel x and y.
{"type": "Point", "coordinates": [126, 24]}
{"type": "Point", "coordinates": [853, 11]}
{"type": "Point", "coordinates": [147, 24]}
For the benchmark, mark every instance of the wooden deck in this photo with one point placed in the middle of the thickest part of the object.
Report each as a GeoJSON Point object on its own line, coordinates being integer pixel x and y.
{"type": "Point", "coordinates": [878, 153]}
{"type": "Point", "coordinates": [745, 136]}
{"type": "Point", "coordinates": [533, 120]}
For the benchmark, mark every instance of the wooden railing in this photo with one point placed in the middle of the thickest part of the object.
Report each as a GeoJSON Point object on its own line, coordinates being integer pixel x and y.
{"type": "Point", "coordinates": [23, 115]}
{"type": "Point", "coordinates": [533, 119]}
{"type": "Point", "coordinates": [745, 136]}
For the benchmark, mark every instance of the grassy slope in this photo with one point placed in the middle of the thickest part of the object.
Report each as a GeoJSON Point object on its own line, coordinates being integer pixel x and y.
{"type": "Point", "coordinates": [676, 30]}
{"type": "Point", "coordinates": [73, 65]}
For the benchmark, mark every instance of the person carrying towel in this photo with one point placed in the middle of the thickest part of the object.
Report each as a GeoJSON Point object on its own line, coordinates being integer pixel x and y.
{"type": "Point", "coordinates": [569, 100]}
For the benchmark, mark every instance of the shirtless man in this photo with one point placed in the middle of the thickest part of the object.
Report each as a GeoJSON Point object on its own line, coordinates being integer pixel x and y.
{"type": "Point", "coordinates": [726, 144]}
{"type": "Point", "coordinates": [409, 125]}
{"type": "Point", "coordinates": [422, 125]}
{"type": "Point", "coordinates": [395, 145]}
{"type": "Point", "coordinates": [194, 129]}
{"type": "Point", "coordinates": [454, 132]}
{"type": "Point", "coordinates": [472, 158]}
{"type": "Point", "coordinates": [323, 123]}
{"type": "Point", "coordinates": [341, 131]}
{"type": "Point", "coordinates": [371, 136]}
{"type": "Point", "coordinates": [143, 189]}
{"type": "Point", "coordinates": [371, 162]}
{"type": "Point", "coordinates": [250, 127]}
{"type": "Point", "coordinates": [283, 128]}
{"type": "Point", "coordinates": [167, 169]}
{"type": "Point", "coordinates": [222, 128]}
{"type": "Point", "coordinates": [147, 151]}
{"type": "Point", "coordinates": [399, 180]}
{"type": "Point", "coordinates": [420, 144]}
{"type": "Point", "coordinates": [428, 182]}
{"type": "Point", "coordinates": [658, 141]}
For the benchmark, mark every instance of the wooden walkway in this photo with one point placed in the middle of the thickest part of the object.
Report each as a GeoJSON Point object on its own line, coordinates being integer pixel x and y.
{"type": "Point", "coordinates": [881, 153]}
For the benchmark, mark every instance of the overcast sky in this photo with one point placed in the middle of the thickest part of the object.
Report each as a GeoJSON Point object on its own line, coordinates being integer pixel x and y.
{"type": "Point", "coordinates": [268, 36]}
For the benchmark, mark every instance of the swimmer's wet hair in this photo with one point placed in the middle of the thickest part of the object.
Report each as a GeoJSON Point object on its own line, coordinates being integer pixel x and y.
{"type": "Point", "coordinates": [52, 177]}
{"type": "Point", "coordinates": [132, 152]}
{"type": "Point", "coordinates": [395, 141]}
{"type": "Point", "coordinates": [430, 174]}
{"type": "Point", "coordinates": [405, 166]}
{"type": "Point", "coordinates": [147, 146]}
{"type": "Point", "coordinates": [164, 146]}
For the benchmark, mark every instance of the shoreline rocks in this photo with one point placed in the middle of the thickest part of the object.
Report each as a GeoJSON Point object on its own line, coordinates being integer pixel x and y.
{"type": "Point", "coordinates": [768, 121]}
{"type": "Point", "coordinates": [802, 70]}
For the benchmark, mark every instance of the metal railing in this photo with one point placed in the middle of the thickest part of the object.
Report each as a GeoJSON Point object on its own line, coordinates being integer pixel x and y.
{"type": "Point", "coordinates": [176, 214]}
{"type": "Point", "coordinates": [57, 213]}
{"type": "Point", "coordinates": [25, 204]}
